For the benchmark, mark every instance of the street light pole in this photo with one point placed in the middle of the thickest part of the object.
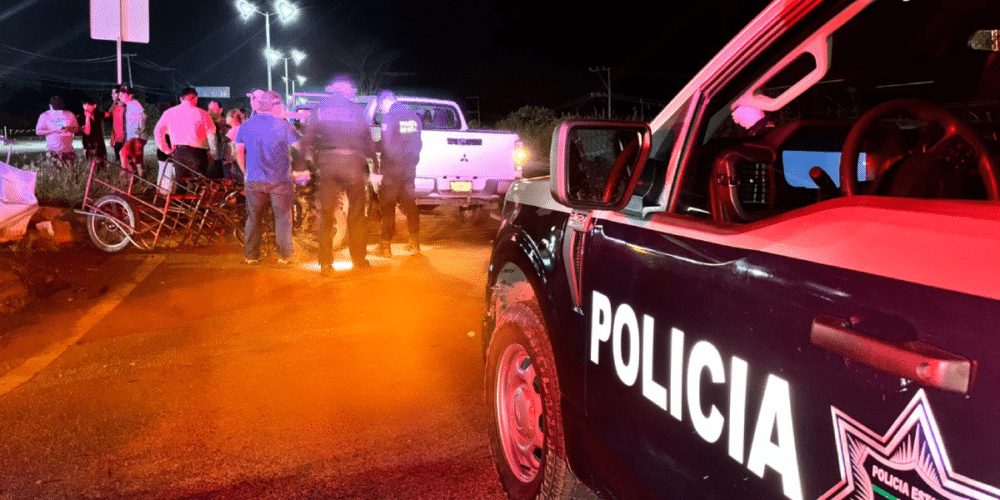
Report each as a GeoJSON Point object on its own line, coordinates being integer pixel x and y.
{"type": "Point", "coordinates": [296, 55]}
{"type": "Point", "coordinates": [286, 78]}
{"type": "Point", "coordinates": [285, 11]}
{"type": "Point", "coordinates": [267, 36]}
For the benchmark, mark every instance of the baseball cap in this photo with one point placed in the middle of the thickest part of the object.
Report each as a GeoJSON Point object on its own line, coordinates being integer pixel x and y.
{"type": "Point", "coordinates": [386, 99]}
{"type": "Point", "coordinates": [343, 84]}
{"type": "Point", "coordinates": [267, 101]}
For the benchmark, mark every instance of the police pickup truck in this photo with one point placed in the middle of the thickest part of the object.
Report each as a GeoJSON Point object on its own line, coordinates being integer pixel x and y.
{"type": "Point", "coordinates": [785, 286]}
{"type": "Point", "coordinates": [468, 169]}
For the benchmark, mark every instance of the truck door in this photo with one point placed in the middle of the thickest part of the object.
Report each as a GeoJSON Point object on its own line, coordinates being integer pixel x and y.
{"type": "Point", "coordinates": [757, 340]}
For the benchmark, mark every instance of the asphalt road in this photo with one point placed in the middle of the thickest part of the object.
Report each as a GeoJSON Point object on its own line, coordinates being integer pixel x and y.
{"type": "Point", "coordinates": [188, 374]}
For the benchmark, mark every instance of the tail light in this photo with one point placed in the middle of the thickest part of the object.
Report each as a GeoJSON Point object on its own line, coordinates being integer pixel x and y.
{"type": "Point", "coordinates": [521, 156]}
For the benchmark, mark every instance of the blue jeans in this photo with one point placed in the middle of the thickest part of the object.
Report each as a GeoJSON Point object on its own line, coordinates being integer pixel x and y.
{"type": "Point", "coordinates": [281, 196]}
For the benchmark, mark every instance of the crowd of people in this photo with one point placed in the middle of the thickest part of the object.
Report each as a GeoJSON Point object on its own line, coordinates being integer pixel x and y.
{"type": "Point", "coordinates": [198, 136]}
{"type": "Point", "coordinates": [258, 151]}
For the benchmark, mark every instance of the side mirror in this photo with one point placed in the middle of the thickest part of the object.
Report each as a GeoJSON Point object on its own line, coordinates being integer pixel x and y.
{"type": "Point", "coordinates": [988, 40]}
{"type": "Point", "coordinates": [595, 164]}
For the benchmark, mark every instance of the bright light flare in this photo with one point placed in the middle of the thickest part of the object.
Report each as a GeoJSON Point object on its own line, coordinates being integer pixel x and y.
{"type": "Point", "coordinates": [298, 56]}
{"type": "Point", "coordinates": [521, 156]}
{"type": "Point", "coordinates": [273, 56]}
{"type": "Point", "coordinates": [286, 11]}
{"type": "Point", "coordinates": [338, 266]}
{"type": "Point", "coordinates": [301, 79]}
{"type": "Point", "coordinates": [247, 9]}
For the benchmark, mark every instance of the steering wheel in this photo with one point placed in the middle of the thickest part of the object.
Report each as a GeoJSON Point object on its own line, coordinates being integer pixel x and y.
{"type": "Point", "coordinates": [935, 159]}
{"type": "Point", "coordinates": [624, 158]}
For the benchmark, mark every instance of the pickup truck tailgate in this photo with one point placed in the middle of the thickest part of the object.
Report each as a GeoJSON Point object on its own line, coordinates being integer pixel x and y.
{"type": "Point", "coordinates": [471, 155]}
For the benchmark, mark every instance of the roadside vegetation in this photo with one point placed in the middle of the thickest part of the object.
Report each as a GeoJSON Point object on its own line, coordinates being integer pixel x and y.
{"type": "Point", "coordinates": [535, 124]}
{"type": "Point", "coordinates": [63, 185]}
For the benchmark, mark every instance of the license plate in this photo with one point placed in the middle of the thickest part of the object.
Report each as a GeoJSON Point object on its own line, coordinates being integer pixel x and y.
{"type": "Point", "coordinates": [461, 186]}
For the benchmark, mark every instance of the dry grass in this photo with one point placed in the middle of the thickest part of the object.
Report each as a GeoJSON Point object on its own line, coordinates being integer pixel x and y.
{"type": "Point", "coordinates": [63, 185]}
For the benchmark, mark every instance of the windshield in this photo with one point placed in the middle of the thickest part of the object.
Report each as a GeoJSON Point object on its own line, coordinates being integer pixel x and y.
{"type": "Point", "coordinates": [916, 50]}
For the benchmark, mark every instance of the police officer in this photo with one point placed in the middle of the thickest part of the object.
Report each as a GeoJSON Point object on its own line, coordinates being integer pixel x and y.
{"type": "Point", "coordinates": [400, 147]}
{"type": "Point", "coordinates": [337, 134]}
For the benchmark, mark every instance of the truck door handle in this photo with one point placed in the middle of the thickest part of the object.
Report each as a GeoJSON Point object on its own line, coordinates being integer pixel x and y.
{"type": "Point", "coordinates": [914, 360]}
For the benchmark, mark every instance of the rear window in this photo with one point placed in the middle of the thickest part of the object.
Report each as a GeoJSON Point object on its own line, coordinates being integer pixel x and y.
{"type": "Point", "coordinates": [436, 116]}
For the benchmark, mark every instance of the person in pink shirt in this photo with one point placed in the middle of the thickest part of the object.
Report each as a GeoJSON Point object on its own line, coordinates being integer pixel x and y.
{"type": "Point", "coordinates": [192, 135]}
{"type": "Point", "coordinates": [58, 125]}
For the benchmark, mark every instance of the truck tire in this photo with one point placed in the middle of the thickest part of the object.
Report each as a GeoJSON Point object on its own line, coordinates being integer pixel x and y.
{"type": "Point", "coordinates": [522, 394]}
{"type": "Point", "coordinates": [472, 214]}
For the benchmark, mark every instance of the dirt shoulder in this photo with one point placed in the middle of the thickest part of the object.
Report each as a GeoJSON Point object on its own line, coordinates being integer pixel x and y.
{"type": "Point", "coordinates": [45, 259]}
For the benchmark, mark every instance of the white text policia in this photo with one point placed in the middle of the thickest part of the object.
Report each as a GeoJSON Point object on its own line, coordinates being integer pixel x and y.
{"type": "Point", "coordinates": [775, 414]}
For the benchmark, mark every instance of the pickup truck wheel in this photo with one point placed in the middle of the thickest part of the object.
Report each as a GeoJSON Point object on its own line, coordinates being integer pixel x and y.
{"type": "Point", "coordinates": [471, 215]}
{"type": "Point", "coordinates": [522, 393]}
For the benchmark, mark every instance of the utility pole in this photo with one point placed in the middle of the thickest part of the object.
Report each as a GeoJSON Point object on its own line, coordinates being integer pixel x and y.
{"type": "Point", "coordinates": [119, 21]}
{"type": "Point", "coordinates": [606, 83]}
{"type": "Point", "coordinates": [128, 60]}
{"type": "Point", "coordinates": [479, 118]}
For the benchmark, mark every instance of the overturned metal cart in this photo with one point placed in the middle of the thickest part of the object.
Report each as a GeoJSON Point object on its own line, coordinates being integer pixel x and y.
{"type": "Point", "coordinates": [188, 209]}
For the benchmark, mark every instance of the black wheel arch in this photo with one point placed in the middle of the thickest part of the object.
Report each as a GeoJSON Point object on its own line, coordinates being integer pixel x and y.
{"type": "Point", "coordinates": [515, 246]}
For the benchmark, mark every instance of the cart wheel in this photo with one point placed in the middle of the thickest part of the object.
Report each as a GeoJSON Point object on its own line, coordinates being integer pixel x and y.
{"type": "Point", "coordinates": [108, 230]}
{"type": "Point", "coordinates": [239, 231]}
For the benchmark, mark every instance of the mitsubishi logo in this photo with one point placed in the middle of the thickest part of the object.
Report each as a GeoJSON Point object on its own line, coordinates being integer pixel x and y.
{"type": "Point", "coordinates": [464, 158]}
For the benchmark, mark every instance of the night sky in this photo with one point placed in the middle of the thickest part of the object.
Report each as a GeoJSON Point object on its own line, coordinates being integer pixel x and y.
{"type": "Point", "coordinates": [508, 54]}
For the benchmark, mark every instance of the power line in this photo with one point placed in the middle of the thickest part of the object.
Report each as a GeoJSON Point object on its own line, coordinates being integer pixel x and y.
{"type": "Point", "coordinates": [549, 89]}
{"type": "Point", "coordinates": [93, 60]}
{"type": "Point", "coordinates": [25, 76]}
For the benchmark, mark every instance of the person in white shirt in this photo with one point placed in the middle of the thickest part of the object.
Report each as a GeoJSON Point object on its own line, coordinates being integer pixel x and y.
{"type": "Point", "coordinates": [192, 135]}
{"type": "Point", "coordinates": [135, 115]}
{"type": "Point", "coordinates": [58, 126]}
{"type": "Point", "coordinates": [135, 125]}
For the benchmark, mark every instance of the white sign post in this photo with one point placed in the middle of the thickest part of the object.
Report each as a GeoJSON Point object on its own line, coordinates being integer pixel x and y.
{"type": "Point", "coordinates": [121, 21]}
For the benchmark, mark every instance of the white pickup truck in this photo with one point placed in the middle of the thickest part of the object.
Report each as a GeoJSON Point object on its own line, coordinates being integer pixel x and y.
{"type": "Point", "coordinates": [469, 169]}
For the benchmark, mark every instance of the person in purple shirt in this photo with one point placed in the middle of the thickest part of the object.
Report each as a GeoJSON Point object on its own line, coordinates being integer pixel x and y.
{"type": "Point", "coordinates": [262, 152]}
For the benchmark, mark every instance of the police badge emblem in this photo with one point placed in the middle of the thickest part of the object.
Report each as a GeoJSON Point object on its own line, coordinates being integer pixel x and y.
{"type": "Point", "coordinates": [908, 462]}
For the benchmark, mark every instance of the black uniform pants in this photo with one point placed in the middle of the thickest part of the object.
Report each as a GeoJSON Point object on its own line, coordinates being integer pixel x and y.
{"type": "Point", "coordinates": [189, 160]}
{"type": "Point", "coordinates": [340, 172]}
{"type": "Point", "coordinates": [399, 190]}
